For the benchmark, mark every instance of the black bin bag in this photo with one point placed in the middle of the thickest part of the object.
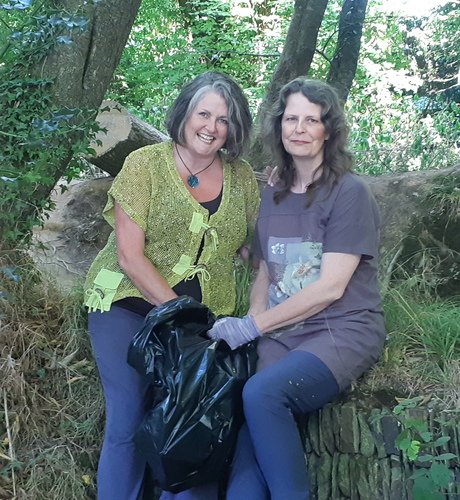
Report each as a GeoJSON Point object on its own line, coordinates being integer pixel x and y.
{"type": "Point", "coordinates": [189, 433]}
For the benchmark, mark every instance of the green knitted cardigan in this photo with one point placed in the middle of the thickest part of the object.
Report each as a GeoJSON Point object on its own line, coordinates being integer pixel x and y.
{"type": "Point", "coordinates": [150, 190]}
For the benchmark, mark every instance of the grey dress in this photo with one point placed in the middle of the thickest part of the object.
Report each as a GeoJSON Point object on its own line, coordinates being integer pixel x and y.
{"type": "Point", "coordinates": [349, 334]}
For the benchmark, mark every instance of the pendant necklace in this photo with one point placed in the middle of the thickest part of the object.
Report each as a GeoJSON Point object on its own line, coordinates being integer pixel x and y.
{"type": "Point", "coordinates": [193, 180]}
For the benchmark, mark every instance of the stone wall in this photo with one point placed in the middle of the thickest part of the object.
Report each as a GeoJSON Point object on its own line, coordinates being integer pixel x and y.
{"type": "Point", "coordinates": [351, 456]}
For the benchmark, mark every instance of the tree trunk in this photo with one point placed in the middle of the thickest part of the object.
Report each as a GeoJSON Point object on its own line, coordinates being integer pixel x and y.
{"type": "Point", "coordinates": [80, 73]}
{"type": "Point", "coordinates": [82, 70]}
{"type": "Point", "coordinates": [343, 66]}
{"type": "Point", "coordinates": [295, 60]}
{"type": "Point", "coordinates": [299, 48]}
{"type": "Point", "coordinates": [122, 133]}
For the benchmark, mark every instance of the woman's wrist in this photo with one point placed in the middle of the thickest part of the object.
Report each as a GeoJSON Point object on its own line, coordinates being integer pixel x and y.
{"type": "Point", "coordinates": [257, 309]}
{"type": "Point", "coordinates": [259, 322]}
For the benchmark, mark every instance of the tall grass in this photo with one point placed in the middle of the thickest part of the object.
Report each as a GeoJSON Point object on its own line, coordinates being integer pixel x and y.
{"type": "Point", "coordinates": [423, 347]}
{"type": "Point", "coordinates": [51, 410]}
{"type": "Point", "coordinates": [244, 276]}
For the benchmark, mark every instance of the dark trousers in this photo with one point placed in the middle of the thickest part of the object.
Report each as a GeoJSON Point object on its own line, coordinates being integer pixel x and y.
{"type": "Point", "coordinates": [269, 462]}
{"type": "Point", "coordinates": [121, 467]}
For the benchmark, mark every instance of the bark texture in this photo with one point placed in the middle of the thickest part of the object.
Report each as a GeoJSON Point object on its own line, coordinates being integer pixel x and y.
{"type": "Point", "coordinates": [81, 72]}
{"type": "Point", "coordinates": [343, 66]}
{"type": "Point", "coordinates": [295, 60]}
{"type": "Point", "coordinates": [122, 134]}
{"type": "Point", "coordinates": [299, 48]}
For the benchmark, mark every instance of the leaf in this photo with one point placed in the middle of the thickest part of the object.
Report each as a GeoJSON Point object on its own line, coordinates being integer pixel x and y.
{"type": "Point", "coordinates": [425, 489]}
{"type": "Point", "coordinates": [10, 272]}
{"type": "Point", "coordinates": [21, 5]}
{"type": "Point", "coordinates": [441, 441]}
{"type": "Point", "coordinates": [426, 436]}
{"type": "Point", "coordinates": [445, 456]}
{"type": "Point", "coordinates": [441, 475]}
{"type": "Point", "coordinates": [412, 452]}
{"type": "Point", "coordinates": [64, 39]}
{"type": "Point", "coordinates": [419, 473]}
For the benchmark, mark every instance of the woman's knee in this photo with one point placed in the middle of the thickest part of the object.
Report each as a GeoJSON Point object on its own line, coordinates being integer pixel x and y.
{"type": "Point", "coordinates": [259, 393]}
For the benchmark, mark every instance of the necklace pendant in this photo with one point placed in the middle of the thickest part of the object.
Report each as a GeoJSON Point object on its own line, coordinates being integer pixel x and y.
{"type": "Point", "coordinates": [193, 181]}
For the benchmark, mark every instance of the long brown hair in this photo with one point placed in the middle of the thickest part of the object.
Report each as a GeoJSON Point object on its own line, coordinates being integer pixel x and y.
{"type": "Point", "coordinates": [337, 160]}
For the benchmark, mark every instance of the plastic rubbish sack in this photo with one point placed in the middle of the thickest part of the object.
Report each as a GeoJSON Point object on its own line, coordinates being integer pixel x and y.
{"type": "Point", "coordinates": [189, 433]}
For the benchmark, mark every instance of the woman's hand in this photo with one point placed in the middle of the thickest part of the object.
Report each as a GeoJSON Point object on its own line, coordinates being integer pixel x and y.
{"type": "Point", "coordinates": [273, 177]}
{"type": "Point", "coordinates": [235, 331]}
{"type": "Point", "coordinates": [244, 253]}
{"type": "Point", "coordinates": [336, 272]}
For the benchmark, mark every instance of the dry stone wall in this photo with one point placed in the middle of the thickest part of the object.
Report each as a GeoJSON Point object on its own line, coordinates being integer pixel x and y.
{"type": "Point", "coordinates": [351, 454]}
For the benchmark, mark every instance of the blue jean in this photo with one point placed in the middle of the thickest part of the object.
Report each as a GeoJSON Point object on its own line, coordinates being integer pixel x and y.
{"type": "Point", "coordinates": [121, 467]}
{"type": "Point", "coordinates": [269, 462]}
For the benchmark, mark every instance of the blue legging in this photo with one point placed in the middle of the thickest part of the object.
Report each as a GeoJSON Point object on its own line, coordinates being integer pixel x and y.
{"type": "Point", "coordinates": [269, 462]}
{"type": "Point", "coordinates": [121, 467]}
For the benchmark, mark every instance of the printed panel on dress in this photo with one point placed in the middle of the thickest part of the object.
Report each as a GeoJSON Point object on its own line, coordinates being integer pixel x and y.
{"type": "Point", "coordinates": [294, 264]}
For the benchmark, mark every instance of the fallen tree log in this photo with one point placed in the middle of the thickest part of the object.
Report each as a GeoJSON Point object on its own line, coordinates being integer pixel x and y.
{"type": "Point", "coordinates": [121, 133]}
{"type": "Point", "coordinates": [420, 226]}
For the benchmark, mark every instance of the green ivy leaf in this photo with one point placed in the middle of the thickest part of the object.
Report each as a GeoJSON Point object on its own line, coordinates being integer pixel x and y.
{"type": "Point", "coordinates": [20, 4]}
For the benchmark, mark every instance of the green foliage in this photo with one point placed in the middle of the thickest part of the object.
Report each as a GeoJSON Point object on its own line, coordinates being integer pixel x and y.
{"type": "Point", "coordinates": [428, 330]}
{"type": "Point", "coordinates": [244, 276]}
{"type": "Point", "coordinates": [37, 138]}
{"type": "Point", "coordinates": [420, 443]}
{"type": "Point", "coordinates": [171, 44]}
{"type": "Point", "coordinates": [398, 136]}
{"type": "Point", "coordinates": [396, 126]}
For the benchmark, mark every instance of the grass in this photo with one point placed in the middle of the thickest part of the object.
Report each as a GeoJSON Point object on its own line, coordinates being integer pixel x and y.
{"type": "Point", "coordinates": [422, 352]}
{"type": "Point", "coordinates": [51, 407]}
{"type": "Point", "coordinates": [51, 403]}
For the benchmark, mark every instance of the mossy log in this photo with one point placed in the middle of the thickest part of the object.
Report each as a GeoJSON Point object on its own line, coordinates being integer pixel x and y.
{"type": "Point", "coordinates": [420, 227]}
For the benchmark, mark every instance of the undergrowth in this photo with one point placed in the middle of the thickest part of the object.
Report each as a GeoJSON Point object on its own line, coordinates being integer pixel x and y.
{"type": "Point", "coordinates": [51, 407]}
{"type": "Point", "coordinates": [422, 352]}
{"type": "Point", "coordinates": [51, 403]}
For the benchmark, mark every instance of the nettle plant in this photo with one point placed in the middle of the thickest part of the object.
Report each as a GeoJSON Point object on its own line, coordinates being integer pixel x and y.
{"type": "Point", "coordinates": [36, 137]}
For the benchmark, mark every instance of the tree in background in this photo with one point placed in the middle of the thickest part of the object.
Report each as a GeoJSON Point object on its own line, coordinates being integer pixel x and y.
{"type": "Point", "coordinates": [58, 59]}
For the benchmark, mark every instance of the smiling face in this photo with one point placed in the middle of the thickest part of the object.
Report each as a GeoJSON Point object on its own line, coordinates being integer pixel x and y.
{"type": "Point", "coordinates": [302, 131]}
{"type": "Point", "coordinates": [206, 129]}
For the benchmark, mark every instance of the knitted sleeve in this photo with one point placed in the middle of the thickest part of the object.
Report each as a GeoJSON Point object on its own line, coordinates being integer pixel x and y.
{"type": "Point", "coordinates": [132, 189]}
